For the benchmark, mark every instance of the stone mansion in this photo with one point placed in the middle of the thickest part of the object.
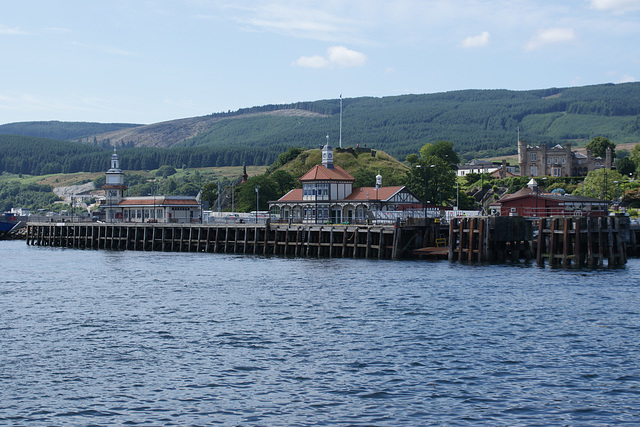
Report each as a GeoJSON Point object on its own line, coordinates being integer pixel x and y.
{"type": "Point", "coordinates": [558, 161]}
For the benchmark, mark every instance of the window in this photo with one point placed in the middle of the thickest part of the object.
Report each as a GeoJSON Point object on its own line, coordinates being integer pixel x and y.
{"type": "Point", "coordinates": [548, 160]}
{"type": "Point", "coordinates": [534, 157]}
{"type": "Point", "coordinates": [563, 160]}
{"type": "Point", "coordinates": [555, 161]}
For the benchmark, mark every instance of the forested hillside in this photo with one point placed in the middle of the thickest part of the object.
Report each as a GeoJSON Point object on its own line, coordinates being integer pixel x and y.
{"type": "Point", "coordinates": [40, 156]}
{"type": "Point", "coordinates": [61, 130]}
{"type": "Point", "coordinates": [480, 123]}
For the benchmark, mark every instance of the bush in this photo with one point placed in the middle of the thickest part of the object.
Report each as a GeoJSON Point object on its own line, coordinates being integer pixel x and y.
{"type": "Point", "coordinates": [165, 171]}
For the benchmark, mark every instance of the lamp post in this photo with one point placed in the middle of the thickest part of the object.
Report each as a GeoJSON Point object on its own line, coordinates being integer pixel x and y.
{"type": "Point", "coordinates": [257, 201]}
{"type": "Point", "coordinates": [425, 188]}
{"type": "Point", "coordinates": [618, 184]}
{"type": "Point", "coordinates": [457, 195]}
{"type": "Point", "coordinates": [537, 197]}
{"type": "Point", "coordinates": [219, 199]}
{"type": "Point", "coordinates": [604, 188]}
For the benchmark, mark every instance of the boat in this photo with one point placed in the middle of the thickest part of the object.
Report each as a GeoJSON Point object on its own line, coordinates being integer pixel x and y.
{"type": "Point", "coordinates": [7, 223]}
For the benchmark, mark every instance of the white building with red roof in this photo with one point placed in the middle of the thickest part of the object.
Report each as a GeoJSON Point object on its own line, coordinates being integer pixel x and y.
{"type": "Point", "coordinates": [119, 208]}
{"type": "Point", "coordinates": [328, 195]}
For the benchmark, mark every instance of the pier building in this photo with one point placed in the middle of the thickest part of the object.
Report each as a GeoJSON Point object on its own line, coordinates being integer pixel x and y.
{"type": "Point", "coordinates": [529, 202]}
{"type": "Point", "coordinates": [328, 196]}
{"type": "Point", "coordinates": [162, 209]}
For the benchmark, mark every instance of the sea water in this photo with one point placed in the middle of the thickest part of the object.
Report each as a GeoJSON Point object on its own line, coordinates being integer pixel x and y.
{"type": "Point", "coordinates": [96, 337]}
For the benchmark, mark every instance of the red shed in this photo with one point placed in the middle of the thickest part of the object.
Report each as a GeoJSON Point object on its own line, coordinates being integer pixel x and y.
{"type": "Point", "coordinates": [529, 202]}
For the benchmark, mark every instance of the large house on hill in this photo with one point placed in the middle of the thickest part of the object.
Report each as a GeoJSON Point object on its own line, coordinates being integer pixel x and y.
{"type": "Point", "coordinates": [328, 195]}
{"type": "Point", "coordinates": [558, 161]}
{"type": "Point", "coordinates": [119, 208]}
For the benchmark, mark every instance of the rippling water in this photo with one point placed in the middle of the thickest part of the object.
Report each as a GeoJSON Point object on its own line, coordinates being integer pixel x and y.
{"type": "Point", "coordinates": [104, 338]}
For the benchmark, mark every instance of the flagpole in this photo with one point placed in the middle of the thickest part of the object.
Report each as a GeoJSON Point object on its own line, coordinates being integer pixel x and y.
{"type": "Point", "coordinates": [340, 120]}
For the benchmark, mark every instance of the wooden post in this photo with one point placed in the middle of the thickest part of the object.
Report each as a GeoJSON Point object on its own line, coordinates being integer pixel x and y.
{"type": "Point", "coordinates": [451, 238]}
{"type": "Point", "coordinates": [472, 223]}
{"type": "Point", "coordinates": [461, 235]}
{"type": "Point", "coordinates": [565, 242]}
{"type": "Point", "coordinates": [600, 243]}
{"type": "Point", "coordinates": [481, 239]}
{"type": "Point", "coordinates": [552, 243]}
{"type": "Point", "coordinates": [577, 247]}
{"type": "Point", "coordinates": [345, 236]}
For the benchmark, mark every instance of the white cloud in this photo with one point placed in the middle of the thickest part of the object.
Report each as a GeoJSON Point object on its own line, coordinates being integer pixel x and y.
{"type": "Point", "coordinates": [481, 40]}
{"type": "Point", "coordinates": [315, 61]}
{"type": "Point", "coordinates": [11, 31]}
{"type": "Point", "coordinates": [626, 78]}
{"type": "Point", "coordinates": [550, 36]}
{"type": "Point", "coordinates": [343, 57]}
{"type": "Point", "coordinates": [616, 6]}
{"type": "Point", "coordinates": [337, 56]}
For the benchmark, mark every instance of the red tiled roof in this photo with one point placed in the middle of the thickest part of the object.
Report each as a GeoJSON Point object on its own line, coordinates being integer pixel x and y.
{"type": "Point", "coordinates": [370, 193]}
{"type": "Point", "coordinates": [159, 201]}
{"type": "Point", "coordinates": [362, 193]}
{"type": "Point", "coordinates": [294, 195]}
{"type": "Point", "coordinates": [322, 173]}
{"type": "Point", "coordinates": [527, 192]}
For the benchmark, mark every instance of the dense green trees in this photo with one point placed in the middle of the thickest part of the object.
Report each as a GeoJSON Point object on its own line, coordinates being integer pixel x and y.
{"type": "Point", "coordinates": [431, 177]}
{"type": "Point", "coordinates": [441, 149]}
{"type": "Point", "coordinates": [38, 156]}
{"type": "Point", "coordinates": [17, 194]}
{"type": "Point", "coordinates": [601, 184]}
{"type": "Point", "coordinates": [61, 130]}
{"type": "Point", "coordinates": [599, 146]}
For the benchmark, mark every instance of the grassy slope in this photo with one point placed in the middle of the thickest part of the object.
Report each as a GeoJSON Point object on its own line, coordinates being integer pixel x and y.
{"type": "Point", "coordinates": [382, 163]}
{"type": "Point", "coordinates": [65, 180]}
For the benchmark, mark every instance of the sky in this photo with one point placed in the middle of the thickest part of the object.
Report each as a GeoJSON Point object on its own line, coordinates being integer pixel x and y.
{"type": "Point", "coordinates": [139, 61]}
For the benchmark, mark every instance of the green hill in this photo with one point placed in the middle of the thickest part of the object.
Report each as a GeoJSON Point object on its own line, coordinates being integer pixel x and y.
{"type": "Point", "coordinates": [480, 123]}
{"type": "Point", "coordinates": [362, 164]}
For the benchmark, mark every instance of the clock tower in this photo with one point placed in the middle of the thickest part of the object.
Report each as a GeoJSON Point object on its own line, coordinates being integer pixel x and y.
{"type": "Point", "coordinates": [114, 186]}
{"type": "Point", "coordinates": [327, 155]}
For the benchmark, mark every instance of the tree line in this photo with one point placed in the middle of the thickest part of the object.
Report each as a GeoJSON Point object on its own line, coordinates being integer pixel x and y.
{"type": "Point", "coordinates": [38, 156]}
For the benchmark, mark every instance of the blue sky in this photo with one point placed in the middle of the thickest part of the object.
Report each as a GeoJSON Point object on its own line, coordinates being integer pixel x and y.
{"type": "Point", "coordinates": [141, 61]}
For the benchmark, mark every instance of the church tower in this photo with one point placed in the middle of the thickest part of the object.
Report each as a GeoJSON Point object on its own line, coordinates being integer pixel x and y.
{"type": "Point", "coordinates": [327, 155]}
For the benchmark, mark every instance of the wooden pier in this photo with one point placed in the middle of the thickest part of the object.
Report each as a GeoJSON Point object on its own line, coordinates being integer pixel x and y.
{"type": "Point", "coordinates": [300, 240]}
{"type": "Point", "coordinates": [556, 241]}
